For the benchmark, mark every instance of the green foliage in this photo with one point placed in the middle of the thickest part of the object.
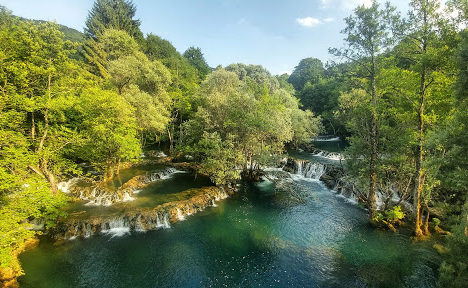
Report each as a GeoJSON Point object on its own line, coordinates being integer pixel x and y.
{"type": "Point", "coordinates": [395, 214]}
{"type": "Point", "coordinates": [108, 128]}
{"type": "Point", "coordinates": [240, 113]}
{"type": "Point", "coordinates": [221, 159]}
{"type": "Point", "coordinates": [390, 217]}
{"type": "Point", "coordinates": [453, 271]}
{"type": "Point", "coordinates": [32, 201]}
{"type": "Point", "coordinates": [195, 57]}
{"type": "Point", "coordinates": [309, 70]}
{"type": "Point", "coordinates": [115, 14]}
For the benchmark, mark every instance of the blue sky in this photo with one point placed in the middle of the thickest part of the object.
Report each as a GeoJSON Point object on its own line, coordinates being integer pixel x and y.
{"type": "Point", "coordinates": [274, 33]}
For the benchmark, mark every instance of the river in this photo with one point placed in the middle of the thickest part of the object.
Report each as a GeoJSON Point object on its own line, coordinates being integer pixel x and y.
{"type": "Point", "coordinates": [293, 232]}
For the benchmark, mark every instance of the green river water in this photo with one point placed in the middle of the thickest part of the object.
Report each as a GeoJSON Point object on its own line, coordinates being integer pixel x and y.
{"type": "Point", "coordinates": [291, 233]}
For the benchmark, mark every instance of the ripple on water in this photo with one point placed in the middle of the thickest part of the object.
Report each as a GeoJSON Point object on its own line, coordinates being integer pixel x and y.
{"type": "Point", "coordinates": [296, 235]}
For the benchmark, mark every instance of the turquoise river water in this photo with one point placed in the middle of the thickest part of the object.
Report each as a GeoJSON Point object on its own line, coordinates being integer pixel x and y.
{"type": "Point", "coordinates": [291, 233]}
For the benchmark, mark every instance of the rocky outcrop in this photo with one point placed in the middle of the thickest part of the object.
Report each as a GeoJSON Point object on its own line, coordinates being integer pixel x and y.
{"type": "Point", "coordinates": [332, 176]}
{"type": "Point", "coordinates": [142, 219]}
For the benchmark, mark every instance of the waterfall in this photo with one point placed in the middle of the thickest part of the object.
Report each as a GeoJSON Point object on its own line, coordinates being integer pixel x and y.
{"type": "Point", "coordinates": [66, 185]}
{"type": "Point", "coordinates": [99, 197]}
{"type": "Point", "coordinates": [180, 216]}
{"type": "Point", "coordinates": [329, 155]}
{"type": "Point", "coordinates": [345, 190]}
{"type": "Point", "coordinates": [162, 175]}
{"type": "Point", "coordinates": [102, 196]}
{"type": "Point", "coordinates": [127, 197]}
{"type": "Point", "coordinates": [308, 169]}
{"type": "Point", "coordinates": [166, 223]}
{"type": "Point", "coordinates": [326, 139]}
{"type": "Point", "coordinates": [138, 219]}
{"type": "Point", "coordinates": [116, 227]}
{"type": "Point", "coordinates": [158, 221]}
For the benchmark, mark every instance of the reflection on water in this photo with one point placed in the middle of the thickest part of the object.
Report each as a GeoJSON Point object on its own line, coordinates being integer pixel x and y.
{"type": "Point", "coordinates": [290, 234]}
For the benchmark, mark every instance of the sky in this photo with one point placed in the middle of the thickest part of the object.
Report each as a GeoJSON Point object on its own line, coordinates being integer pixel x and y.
{"type": "Point", "coordinates": [276, 34]}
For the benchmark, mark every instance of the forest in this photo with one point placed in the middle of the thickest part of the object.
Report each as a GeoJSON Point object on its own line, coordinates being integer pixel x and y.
{"type": "Point", "coordinates": [90, 104]}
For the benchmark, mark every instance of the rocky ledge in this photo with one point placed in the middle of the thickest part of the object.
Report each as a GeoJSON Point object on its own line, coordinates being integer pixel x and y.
{"type": "Point", "coordinates": [142, 219]}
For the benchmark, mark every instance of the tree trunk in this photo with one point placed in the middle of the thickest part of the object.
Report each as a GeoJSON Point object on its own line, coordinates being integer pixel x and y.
{"type": "Point", "coordinates": [373, 144]}
{"type": "Point", "coordinates": [181, 132]}
{"type": "Point", "coordinates": [109, 172]}
{"type": "Point", "coordinates": [117, 171]}
{"type": "Point", "coordinates": [419, 173]}
{"type": "Point", "coordinates": [46, 116]}
{"type": "Point", "coordinates": [43, 163]}
{"type": "Point", "coordinates": [171, 141]}
{"type": "Point", "coordinates": [48, 175]}
{"type": "Point", "coordinates": [33, 127]}
{"type": "Point", "coordinates": [426, 223]}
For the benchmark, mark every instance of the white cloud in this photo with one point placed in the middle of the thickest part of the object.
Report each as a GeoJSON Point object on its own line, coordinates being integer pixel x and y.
{"type": "Point", "coordinates": [308, 21]}
{"type": "Point", "coordinates": [313, 22]}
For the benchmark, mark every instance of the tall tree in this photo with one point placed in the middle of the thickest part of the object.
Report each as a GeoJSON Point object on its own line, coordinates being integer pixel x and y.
{"type": "Point", "coordinates": [185, 83]}
{"type": "Point", "coordinates": [195, 57]}
{"type": "Point", "coordinates": [368, 33]}
{"type": "Point", "coordinates": [309, 70]}
{"type": "Point", "coordinates": [116, 14]}
{"type": "Point", "coordinates": [428, 55]}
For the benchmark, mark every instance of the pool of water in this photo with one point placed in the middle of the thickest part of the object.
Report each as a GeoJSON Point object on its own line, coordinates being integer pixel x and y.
{"type": "Point", "coordinates": [330, 144]}
{"type": "Point", "coordinates": [286, 234]}
{"type": "Point", "coordinates": [156, 193]}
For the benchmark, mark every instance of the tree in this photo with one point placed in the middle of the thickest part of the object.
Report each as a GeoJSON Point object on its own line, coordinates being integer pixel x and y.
{"type": "Point", "coordinates": [237, 112]}
{"type": "Point", "coordinates": [368, 33]}
{"type": "Point", "coordinates": [427, 53]}
{"type": "Point", "coordinates": [109, 128]}
{"type": "Point", "coordinates": [115, 14]}
{"type": "Point", "coordinates": [309, 70]}
{"type": "Point", "coordinates": [134, 76]}
{"type": "Point", "coordinates": [185, 83]}
{"type": "Point", "coordinates": [195, 57]}
{"type": "Point", "coordinates": [33, 66]}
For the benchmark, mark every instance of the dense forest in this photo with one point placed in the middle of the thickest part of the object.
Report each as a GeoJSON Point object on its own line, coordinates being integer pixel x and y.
{"type": "Point", "coordinates": [86, 104]}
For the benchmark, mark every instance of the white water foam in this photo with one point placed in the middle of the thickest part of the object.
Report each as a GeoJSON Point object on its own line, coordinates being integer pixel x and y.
{"type": "Point", "coordinates": [117, 228]}
{"type": "Point", "coordinates": [180, 215]}
{"type": "Point", "coordinates": [327, 139]}
{"type": "Point", "coordinates": [66, 185]}
{"type": "Point", "coordinates": [127, 197]}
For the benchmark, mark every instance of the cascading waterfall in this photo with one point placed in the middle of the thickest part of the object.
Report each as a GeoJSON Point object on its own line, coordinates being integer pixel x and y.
{"type": "Point", "coordinates": [166, 223]}
{"type": "Point", "coordinates": [140, 220]}
{"type": "Point", "coordinates": [326, 139]}
{"type": "Point", "coordinates": [102, 196]}
{"type": "Point", "coordinates": [161, 175]}
{"type": "Point", "coordinates": [329, 155]}
{"type": "Point", "coordinates": [116, 227]}
{"type": "Point", "coordinates": [308, 169]}
{"type": "Point", "coordinates": [346, 193]}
